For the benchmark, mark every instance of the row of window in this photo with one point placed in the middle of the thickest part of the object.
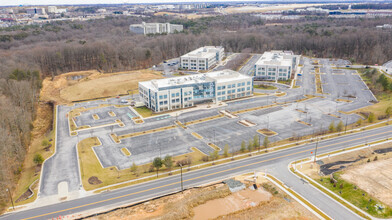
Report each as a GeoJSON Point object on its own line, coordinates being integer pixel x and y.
{"type": "Point", "coordinates": [223, 98]}
{"type": "Point", "coordinates": [233, 91]}
{"type": "Point", "coordinates": [233, 85]}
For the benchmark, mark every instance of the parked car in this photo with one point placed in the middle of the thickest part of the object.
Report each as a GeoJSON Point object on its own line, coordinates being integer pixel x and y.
{"type": "Point", "coordinates": [123, 101]}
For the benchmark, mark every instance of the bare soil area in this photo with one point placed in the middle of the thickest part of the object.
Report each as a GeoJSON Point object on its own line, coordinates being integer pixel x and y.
{"type": "Point", "coordinates": [375, 178]}
{"type": "Point", "coordinates": [237, 201]}
{"type": "Point", "coordinates": [75, 86]}
{"type": "Point", "coordinates": [217, 202]}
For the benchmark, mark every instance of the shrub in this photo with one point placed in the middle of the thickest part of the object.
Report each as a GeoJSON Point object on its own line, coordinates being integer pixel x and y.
{"type": "Point", "coordinates": [38, 159]}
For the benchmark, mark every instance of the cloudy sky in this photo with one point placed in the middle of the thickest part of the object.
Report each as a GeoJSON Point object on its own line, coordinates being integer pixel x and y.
{"type": "Point", "coordinates": [70, 2]}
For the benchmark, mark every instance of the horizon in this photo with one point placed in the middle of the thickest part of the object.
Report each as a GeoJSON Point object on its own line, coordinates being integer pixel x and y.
{"type": "Point", "coordinates": [26, 3]}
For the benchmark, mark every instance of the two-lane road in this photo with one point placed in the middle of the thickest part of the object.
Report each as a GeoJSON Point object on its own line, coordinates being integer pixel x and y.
{"type": "Point", "coordinates": [276, 162]}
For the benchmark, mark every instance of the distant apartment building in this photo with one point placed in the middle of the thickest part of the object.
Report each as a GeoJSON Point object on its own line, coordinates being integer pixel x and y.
{"type": "Point", "coordinates": [155, 28]}
{"type": "Point", "coordinates": [276, 65]}
{"type": "Point", "coordinates": [202, 58]}
{"type": "Point", "coordinates": [34, 11]}
{"type": "Point", "coordinates": [186, 91]}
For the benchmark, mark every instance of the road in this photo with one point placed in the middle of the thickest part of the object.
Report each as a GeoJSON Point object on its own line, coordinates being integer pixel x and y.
{"type": "Point", "coordinates": [275, 163]}
{"type": "Point", "coordinates": [249, 67]}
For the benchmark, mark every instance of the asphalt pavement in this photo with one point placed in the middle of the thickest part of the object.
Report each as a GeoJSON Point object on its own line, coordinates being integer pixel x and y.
{"type": "Point", "coordinates": [275, 163]}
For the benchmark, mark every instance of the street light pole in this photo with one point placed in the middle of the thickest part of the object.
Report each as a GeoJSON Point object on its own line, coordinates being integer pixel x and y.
{"type": "Point", "coordinates": [12, 201]}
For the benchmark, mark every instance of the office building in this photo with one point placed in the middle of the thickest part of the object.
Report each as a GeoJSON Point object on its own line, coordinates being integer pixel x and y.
{"type": "Point", "coordinates": [186, 91]}
{"type": "Point", "coordinates": [34, 11]}
{"type": "Point", "coordinates": [155, 28]}
{"type": "Point", "coordinates": [202, 58]}
{"type": "Point", "coordinates": [276, 65]}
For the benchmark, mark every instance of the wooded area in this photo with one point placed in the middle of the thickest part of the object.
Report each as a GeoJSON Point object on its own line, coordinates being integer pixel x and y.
{"type": "Point", "coordinates": [31, 53]}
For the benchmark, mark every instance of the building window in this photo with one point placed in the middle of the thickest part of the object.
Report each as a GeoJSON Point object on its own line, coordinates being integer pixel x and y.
{"type": "Point", "coordinates": [219, 88]}
{"type": "Point", "coordinates": [239, 84]}
{"type": "Point", "coordinates": [173, 95]}
{"type": "Point", "coordinates": [165, 96]}
{"type": "Point", "coordinates": [223, 93]}
{"type": "Point", "coordinates": [233, 91]}
{"type": "Point", "coordinates": [233, 86]}
{"type": "Point", "coordinates": [219, 93]}
{"type": "Point", "coordinates": [229, 86]}
{"type": "Point", "coordinates": [177, 94]}
{"type": "Point", "coordinates": [248, 83]}
{"type": "Point", "coordinates": [243, 84]}
{"type": "Point", "coordinates": [160, 97]}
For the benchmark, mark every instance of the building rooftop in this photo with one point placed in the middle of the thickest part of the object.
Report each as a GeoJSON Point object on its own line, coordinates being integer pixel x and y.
{"type": "Point", "coordinates": [276, 57]}
{"type": "Point", "coordinates": [203, 52]}
{"type": "Point", "coordinates": [217, 76]}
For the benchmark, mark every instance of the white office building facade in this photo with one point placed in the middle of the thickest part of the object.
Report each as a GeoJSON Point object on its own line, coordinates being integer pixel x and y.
{"type": "Point", "coordinates": [276, 65]}
{"type": "Point", "coordinates": [186, 91]}
{"type": "Point", "coordinates": [155, 28]}
{"type": "Point", "coordinates": [202, 58]}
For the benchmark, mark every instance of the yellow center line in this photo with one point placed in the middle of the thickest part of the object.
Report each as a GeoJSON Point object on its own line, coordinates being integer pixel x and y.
{"type": "Point", "coordinates": [199, 177]}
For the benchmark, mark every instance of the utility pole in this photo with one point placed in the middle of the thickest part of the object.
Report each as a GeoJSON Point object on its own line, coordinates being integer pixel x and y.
{"type": "Point", "coordinates": [12, 201]}
{"type": "Point", "coordinates": [315, 152]}
{"type": "Point", "coordinates": [182, 185]}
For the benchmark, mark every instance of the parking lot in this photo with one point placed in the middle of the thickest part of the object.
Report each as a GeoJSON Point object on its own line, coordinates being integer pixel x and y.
{"type": "Point", "coordinates": [287, 118]}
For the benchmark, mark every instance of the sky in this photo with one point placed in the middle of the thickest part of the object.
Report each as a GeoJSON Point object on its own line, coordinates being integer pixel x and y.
{"type": "Point", "coordinates": [77, 2]}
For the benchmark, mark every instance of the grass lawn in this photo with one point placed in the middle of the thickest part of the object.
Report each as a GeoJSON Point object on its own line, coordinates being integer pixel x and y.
{"type": "Point", "coordinates": [29, 173]}
{"type": "Point", "coordinates": [125, 151]}
{"type": "Point", "coordinates": [319, 88]}
{"type": "Point", "coordinates": [197, 135]}
{"type": "Point", "coordinates": [90, 166]}
{"type": "Point", "coordinates": [356, 196]}
{"type": "Point", "coordinates": [263, 86]}
{"type": "Point", "coordinates": [144, 111]}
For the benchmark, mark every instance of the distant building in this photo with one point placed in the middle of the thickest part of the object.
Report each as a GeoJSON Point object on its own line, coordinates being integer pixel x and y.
{"type": "Point", "coordinates": [186, 91]}
{"type": "Point", "coordinates": [276, 65]}
{"type": "Point", "coordinates": [202, 58]}
{"type": "Point", "coordinates": [385, 26]}
{"type": "Point", "coordinates": [155, 28]}
{"type": "Point", "coordinates": [34, 11]}
{"type": "Point", "coordinates": [52, 9]}
{"type": "Point", "coordinates": [55, 10]}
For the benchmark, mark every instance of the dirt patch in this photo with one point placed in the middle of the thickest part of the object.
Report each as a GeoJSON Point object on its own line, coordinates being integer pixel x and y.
{"type": "Point", "coordinates": [235, 202]}
{"type": "Point", "coordinates": [176, 206]}
{"type": "Point", "coordinates": [267, 132]}
{"type": "Point", "coordinates": [375, 178]}
{"type": "Point", "coordinates": [83, 85]}
{"type": "Point", "coordinates": [247, 123]}
{"type": "Point", "coordinates": [94, 180]}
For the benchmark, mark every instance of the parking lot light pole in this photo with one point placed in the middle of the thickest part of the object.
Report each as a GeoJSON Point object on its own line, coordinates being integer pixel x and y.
{"type": "Point", "coordinates": [345, 127]}
{"type": "Point", "coordinates": [12, 201]}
